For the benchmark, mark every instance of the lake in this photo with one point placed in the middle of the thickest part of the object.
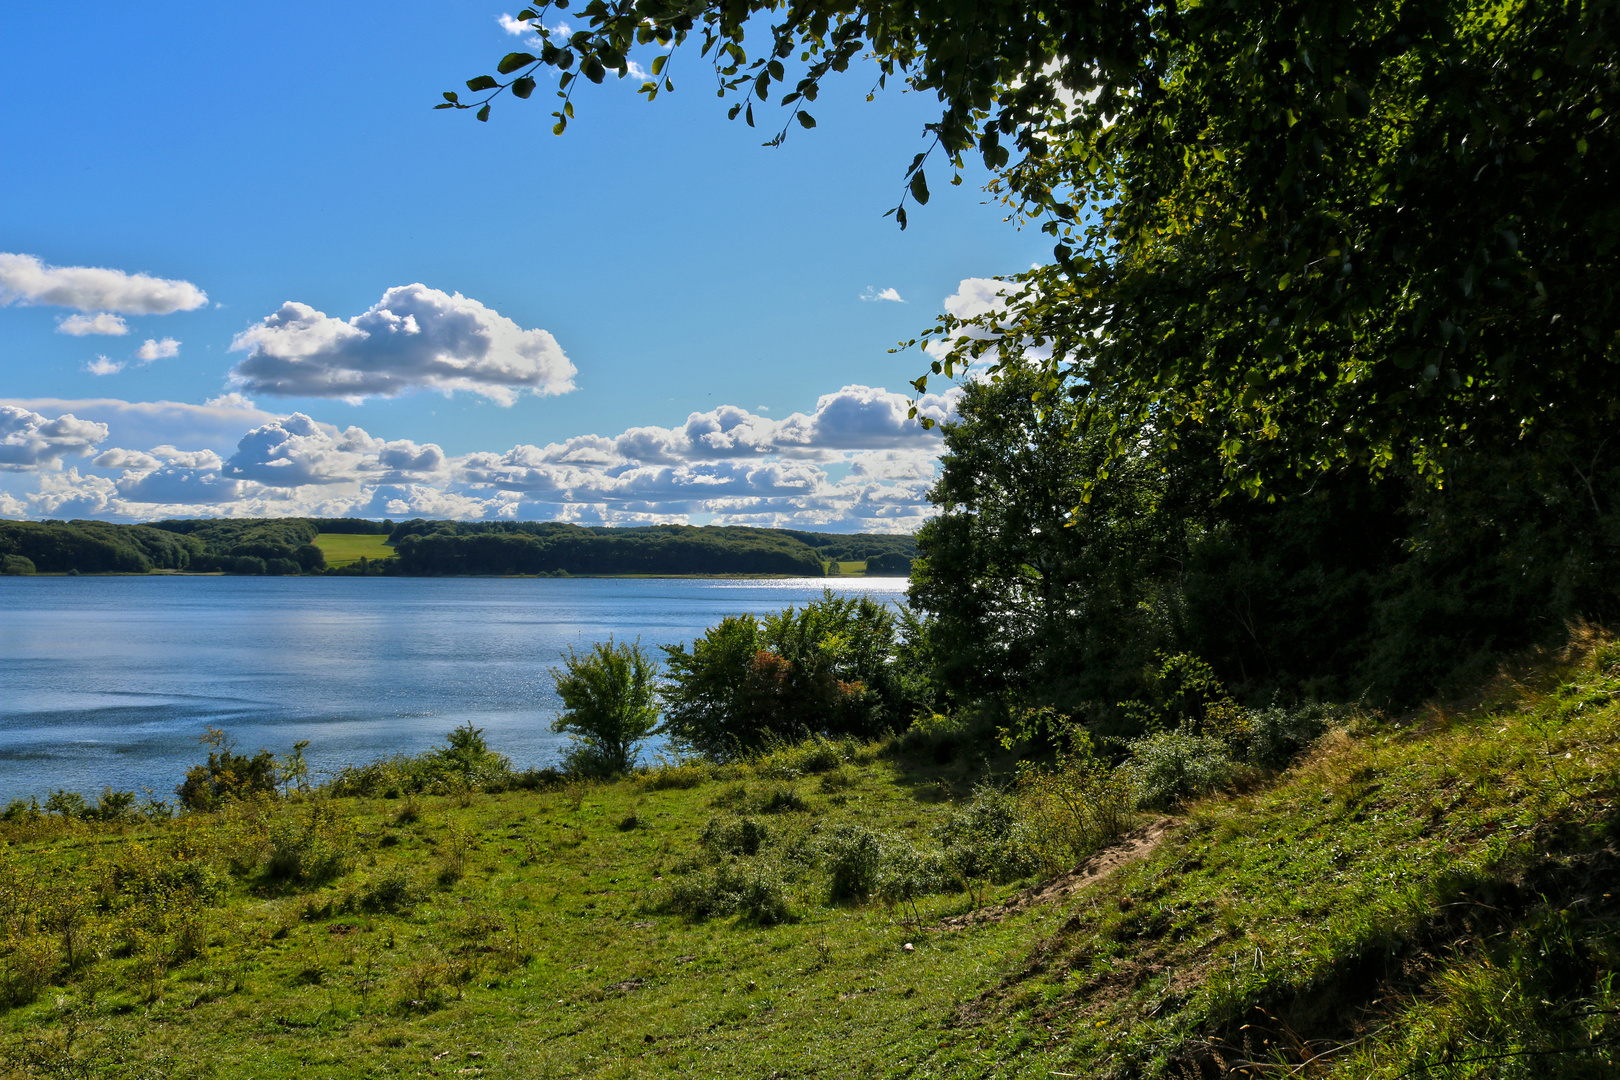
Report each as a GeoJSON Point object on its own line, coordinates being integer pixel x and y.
{"type": "Point", "coordinates": [110, 680]}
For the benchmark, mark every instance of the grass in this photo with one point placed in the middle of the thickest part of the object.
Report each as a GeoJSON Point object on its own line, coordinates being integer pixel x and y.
{"type": "Point", "coordinates": [341, 549]}
{"type": "Point", "coordinates": [841, 568]}
{"type": "Point", "coordinates": [1424, 898]}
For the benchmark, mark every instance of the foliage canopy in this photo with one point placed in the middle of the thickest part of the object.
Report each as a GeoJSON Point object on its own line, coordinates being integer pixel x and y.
{"type": "Point", "coordinates": [1315, 232]}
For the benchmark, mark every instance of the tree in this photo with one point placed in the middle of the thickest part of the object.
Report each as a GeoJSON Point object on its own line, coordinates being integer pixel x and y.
{"type": "Point", "coordinates": [1312, 233]}
{"type": "Point", "coordinates": [610, 694]}
{"type": "Point", "coordinates": [833, 667]}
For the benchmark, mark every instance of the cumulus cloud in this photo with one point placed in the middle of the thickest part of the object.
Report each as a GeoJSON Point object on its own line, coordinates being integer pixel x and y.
{"type": "Point", "coordinates": [977, 296]}
{"type": "Point", "coordinates": [514, 26]}
{"type": "Point", "coordinates": [414, 337]}
{"type": "Point", "coordinates": [157, 350]}
{"type": "Point", "coordinates": [30, 441]}
{"type": "Point", "coordinates": [219, 424]}
{"type": "Point", "coordinates": [24, 279]}
{"type": "Point", "coordinates": [103, 366]}
{"type": "Point", "coordinates": [882, 294]}
{"type": "Point", "coordinates": [854, 461]}
{"type": "Point", "coordinates": [100, 323]}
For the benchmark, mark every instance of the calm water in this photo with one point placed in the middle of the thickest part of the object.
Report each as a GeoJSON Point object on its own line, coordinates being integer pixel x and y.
{"type": "Point", "coordinates": [110, 680]}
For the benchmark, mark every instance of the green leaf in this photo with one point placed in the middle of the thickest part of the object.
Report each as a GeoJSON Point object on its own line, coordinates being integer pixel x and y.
{"type": "Point", "coordinates": [658, 63]}
{"type": "Point", "coordinates": [593, 69]}
{"type": "Point", "coordinates": [806, 120]}
{"type": "Point", "coordinates": [749, 116]}
{"type": "Point", "coordinates": [514, 60]}
{"type": "Point", "coordinates": [483, 114]}
{"type": "Point", "coordinates": [559, 127]}
{"type": "Point", "coordinates": [900, 216]}
{"type": "Point", "coordinates": [450, 96]}
{"type": "Point", "coordinates": [919, 190]}
{"type": "Point", "coordinates": [483, 82]}
{"type": "Point", "coordinates": [523, 87]}
{"type": "Point", "coordinates": [731, 114]}
{"type": "Point", "coordinates": [445, 105]}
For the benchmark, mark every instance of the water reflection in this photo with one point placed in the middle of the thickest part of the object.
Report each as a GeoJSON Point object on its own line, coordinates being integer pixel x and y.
{"type": "Point", "coordinates": [108, 681]}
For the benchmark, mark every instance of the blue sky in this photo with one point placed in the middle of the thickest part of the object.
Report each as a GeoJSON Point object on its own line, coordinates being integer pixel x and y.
{"type": "Point", "coordinates": [649, 318]}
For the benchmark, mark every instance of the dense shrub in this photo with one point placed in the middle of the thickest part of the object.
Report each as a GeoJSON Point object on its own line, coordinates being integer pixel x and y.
{"type": "Point", "coordinates": [749, 888]}
{"type": "Point", "coordinates": [226, 775]}
{"type": "Point", "coordinates": [747, 684]}
{"type": "Point", "coordinates": [465, 763]}
{"type": "Point", "coordinates": [986, 840]}
{"type": "Point", "coordinates": [1168, 767]}
{"type": "Point", "coordinates": [734, 836]}
{"type": "Point", "coordinates": [1072, 808]}
{"type": "Point", "coordinates": [312, 851]}
{"type": "Point", "coordinates": [16, 565]}
{"type": "Point", "coordinates": [1276, 735]}
{"type": "Point", "coordinates": [853, 856]}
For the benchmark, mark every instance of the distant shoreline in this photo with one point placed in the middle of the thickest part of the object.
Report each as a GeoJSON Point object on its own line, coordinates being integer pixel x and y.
{"type": "Point", "coordinates": [444, 577]}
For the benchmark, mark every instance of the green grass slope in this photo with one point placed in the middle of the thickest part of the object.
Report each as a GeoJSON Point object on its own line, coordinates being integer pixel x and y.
{"type": "Point", "coordinates": [1428, 898]}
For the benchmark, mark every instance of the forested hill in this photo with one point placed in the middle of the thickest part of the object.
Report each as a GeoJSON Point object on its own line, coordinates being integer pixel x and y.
{"type": "Point", "coordinates": [287, 546]}
{"type": "Point", "coordinates": [443, 547]}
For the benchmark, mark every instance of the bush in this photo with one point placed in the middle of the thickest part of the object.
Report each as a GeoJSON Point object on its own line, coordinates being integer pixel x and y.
{"type": "Point", "coordinates": [853, 856]}
{"type": "Point", "coordinates": [312, 852]}
{"type": "Point", "coordinates": [1168, 767]}
{"type": "Point", "coordinates": [16, 565]}
{"type": "Point", "coordinates": [749, 889]}
{"type": "Point", "coordinates": [390, 893]}
{"type": "Point", "coordinates": [464, 764]}
{"type": "Point", "coordinates": [667, 776]}
{"type": "Point", "coordinates": [906, 875]}
{"type": "Point", "coordinates": [735, 836]}
{"type": "Point", "coordinates": [1276, 734]}
{"type": "Point", "coordinates": [779, 798]}
{"type": "Point", "coordinates": [986, 839]}
{"type": "Point", "coordinates": [226, 775]}
{"type": "Point", "coordinates": [1073, 808]}
{"type": "Point", "coordinates": [610, 696]}
{"type": "Point", "coordinates": [826, 669]}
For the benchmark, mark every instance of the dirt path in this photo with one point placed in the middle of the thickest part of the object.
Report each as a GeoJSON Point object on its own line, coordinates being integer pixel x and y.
{"type": "Point", "coordinates": [1134, 845]}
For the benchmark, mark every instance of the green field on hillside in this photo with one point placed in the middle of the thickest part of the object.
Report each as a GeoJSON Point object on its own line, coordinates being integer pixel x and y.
{"type": "Point", "coordinates": [341, 549]}
{"type": "Point", "coordinates": [1425, 897]}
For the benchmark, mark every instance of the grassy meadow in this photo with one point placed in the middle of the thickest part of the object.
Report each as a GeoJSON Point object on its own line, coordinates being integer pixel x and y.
{"type": "Point", "coordinates": [341, 549]}
{"type": "Point", "coordinates": [1429, 896]}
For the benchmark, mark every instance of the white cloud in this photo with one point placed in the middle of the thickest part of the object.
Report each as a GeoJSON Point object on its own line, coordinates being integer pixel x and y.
{"type": "Point", "coordinates": [100, 323]}
{"type": "Point", "coordinates": [24, 279]}
{"type": "Point", "coordinates": [513, 26]}
{"type": "Point", "coordinates": [29, 440]}
{"type": "Point", "coordinates": [103, 366]}
{"type": "Point", "coordinates": [414, 337]}
{"type": "Point", "coordinates": [977, 296]}
{"type": "Point", "coordinates": [219, 424]}
{"type": "Point", "coordinates": [852, 462]}
{"type": "Point", "coordinates": [119, 458]}
{"type": "Point", "coordinates": [882, 294]}
{"type": "Point", "coordinates": [157, 350]}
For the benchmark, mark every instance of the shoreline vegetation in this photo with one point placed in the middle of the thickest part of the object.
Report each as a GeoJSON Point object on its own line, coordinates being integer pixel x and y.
{"type": "Point", "coordinates": [1331, 892]}
{"type": "Point", "coordinates": [421, 548]}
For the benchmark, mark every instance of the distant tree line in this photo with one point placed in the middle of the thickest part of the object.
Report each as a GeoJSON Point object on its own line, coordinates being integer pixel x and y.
{"type": "Point", "coordinates": [449, 547]}
{"type": "Point", "coordinates": [94, 547]}
{"type": "Point", "coordinates": [278, 546]}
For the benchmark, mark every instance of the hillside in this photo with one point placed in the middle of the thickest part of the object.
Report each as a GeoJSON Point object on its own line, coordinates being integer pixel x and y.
{"type": "Point", "coordinates": [1408, 894]}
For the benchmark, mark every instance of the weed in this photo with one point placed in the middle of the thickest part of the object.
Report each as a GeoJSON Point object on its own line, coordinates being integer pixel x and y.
{"type": "Point", "coordinates": [852, 855]}
{"type": "Point", "coordinates": [734, 836]}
